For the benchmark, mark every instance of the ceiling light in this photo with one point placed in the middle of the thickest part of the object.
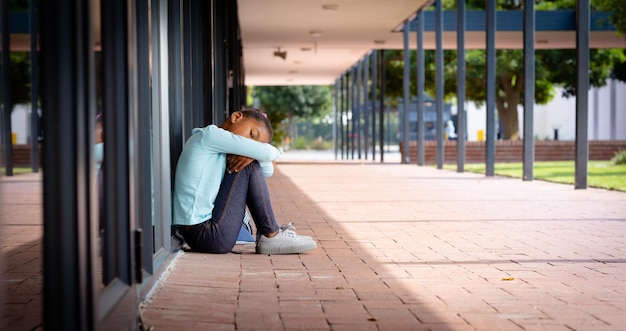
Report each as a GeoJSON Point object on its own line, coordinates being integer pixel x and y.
{"type": "Point", "coordinates": [315, 33]}
{"type": "Point", "coordinates": [330, 7]}
{"type": "Point", "coordinates": [282, 55]}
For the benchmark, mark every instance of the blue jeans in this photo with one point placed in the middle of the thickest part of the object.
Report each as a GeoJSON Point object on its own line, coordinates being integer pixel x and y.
{"type": "Point", "coordinates": [238, 190]}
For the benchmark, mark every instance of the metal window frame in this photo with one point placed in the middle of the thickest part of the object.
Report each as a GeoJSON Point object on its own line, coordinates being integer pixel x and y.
{"type": "Point", "coordinates": [67, 65]}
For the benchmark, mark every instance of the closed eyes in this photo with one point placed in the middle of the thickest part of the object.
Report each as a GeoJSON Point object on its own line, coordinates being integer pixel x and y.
{"type": "Point", "coordinates": [254, 132]}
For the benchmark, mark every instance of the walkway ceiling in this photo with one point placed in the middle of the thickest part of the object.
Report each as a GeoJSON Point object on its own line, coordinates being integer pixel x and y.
{"type": "Point", "coordinates": [346, 33]}
{"type": "Point", "coordinates": [321, 39]}
{"type": "Point", "coordinates": [320, 44]}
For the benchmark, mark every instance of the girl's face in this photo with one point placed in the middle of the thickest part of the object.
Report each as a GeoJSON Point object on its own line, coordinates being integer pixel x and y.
{"type": "Point", "coordinates": [247, 127]}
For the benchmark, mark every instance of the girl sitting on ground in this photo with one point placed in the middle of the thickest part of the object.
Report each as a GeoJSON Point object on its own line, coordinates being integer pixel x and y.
{"type": "Point", "coordinates": [220, 171]}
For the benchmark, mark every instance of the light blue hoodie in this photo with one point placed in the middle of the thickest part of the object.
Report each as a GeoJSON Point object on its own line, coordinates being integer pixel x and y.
{"type": "Point", "coordinates": [201, 167]}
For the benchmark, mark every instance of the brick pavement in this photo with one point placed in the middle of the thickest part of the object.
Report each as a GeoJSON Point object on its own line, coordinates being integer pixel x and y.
{"type": "Point", "coordinates": [403, 247]}
{"type": "Point", "coordinates": [21, 232]}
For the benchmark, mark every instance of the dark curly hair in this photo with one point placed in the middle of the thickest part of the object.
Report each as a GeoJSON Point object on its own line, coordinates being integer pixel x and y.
{"type": "Point", "coordinates": [259, 116]}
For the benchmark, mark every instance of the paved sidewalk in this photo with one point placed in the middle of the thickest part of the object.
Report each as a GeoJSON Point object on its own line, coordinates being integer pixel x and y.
{"type": "Point", "coordinates": [403, 247]}
{"type": "Point", "coordinates": [21, 233]}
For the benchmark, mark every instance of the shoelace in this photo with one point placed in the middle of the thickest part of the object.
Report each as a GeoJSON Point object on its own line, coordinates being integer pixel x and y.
{"type": "Point", "coordinates": [288, 230]}
{"type": "Point", "coordinates": [288, 226]}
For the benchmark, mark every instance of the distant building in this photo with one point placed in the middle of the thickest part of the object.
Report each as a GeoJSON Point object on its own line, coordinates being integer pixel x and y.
{"type": "Point", "coordinates": [605, 121]}
{"type": "Point", "coordinates": [430, 118]}
{"type": "Point", "coordinates": [21, 124]}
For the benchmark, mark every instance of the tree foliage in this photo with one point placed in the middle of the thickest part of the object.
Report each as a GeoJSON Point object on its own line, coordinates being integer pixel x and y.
{"type": "Point", "coordinates": [19, 64]}
{"type": "Point", "coordinates": [553, 68]}
{"type": "Point", "coordinates": [300, 101]}
{"type": "Point", "coordinates": [618, 8]}
{"type": "Point", "coordinates": [618, 18]}
{"type": "Point", "coordinates": [19, 76]}
{"type": "Point", "coordinates": [19, 5]}
{"type": "Point", "coordinates": [283, 103]}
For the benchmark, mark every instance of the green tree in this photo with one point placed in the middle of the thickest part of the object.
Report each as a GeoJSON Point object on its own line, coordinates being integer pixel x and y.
{"type": "Point", "coordinates": [618, 18]}
{"type": "Point", "coordinates": [19, 5]}
{"type": "Point", "coordinates": [19, 65]}
{"type": "Point", "coordinates": [554, 68]}
{"type": "Point", "coordinates": [283, 103]}
{"type": "Point", "coordinates": [618, 10]}
{"type": "Point", "coordinates": [19, 75]}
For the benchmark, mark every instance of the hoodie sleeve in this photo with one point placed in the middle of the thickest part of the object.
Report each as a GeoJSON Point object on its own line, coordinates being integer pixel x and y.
{"type": "Point", "coordinates": [223, 141]}
{"type": "Point", "coordinates": [267, 168]}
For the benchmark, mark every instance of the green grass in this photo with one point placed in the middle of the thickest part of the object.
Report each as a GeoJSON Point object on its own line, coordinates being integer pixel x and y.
{"type": "Point", "coordinates": [601, 174]}
{"type": "Point", "coordinates": [17, 170]}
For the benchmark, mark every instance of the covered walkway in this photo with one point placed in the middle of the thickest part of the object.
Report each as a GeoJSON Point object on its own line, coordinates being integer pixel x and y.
{"type": "Point", "coordinates": [400, 248]}
{"type": "Point", "coordinates": [410, 248]}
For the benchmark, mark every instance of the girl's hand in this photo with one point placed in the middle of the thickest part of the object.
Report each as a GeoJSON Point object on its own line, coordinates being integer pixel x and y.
{"type": "Point", "coordinates": [236, 163]}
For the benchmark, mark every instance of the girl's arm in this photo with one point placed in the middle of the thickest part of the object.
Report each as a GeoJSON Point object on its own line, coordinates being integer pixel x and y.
{"type": "Point", "coordinates": [222, 141]}
{"type": "Point", "coordinates": [237, 162]}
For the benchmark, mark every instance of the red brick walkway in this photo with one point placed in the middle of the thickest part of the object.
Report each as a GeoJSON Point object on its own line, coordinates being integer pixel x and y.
{"type": "Point", "coordinates": [409, 248]}
{"type": "Point", "coordinates": [21, 233]}
{"type": "Point", "coordinates": [401, 247]}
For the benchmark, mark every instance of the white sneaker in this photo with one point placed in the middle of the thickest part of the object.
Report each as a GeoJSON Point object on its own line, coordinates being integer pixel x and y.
{"type": "Point", "coordinates": [290, 226]}
{"type": "Point", "coordinates": [287, 241]}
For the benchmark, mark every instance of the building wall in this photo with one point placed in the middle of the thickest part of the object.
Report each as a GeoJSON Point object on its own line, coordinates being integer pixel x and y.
{"type": "Point", "coordinates": [561, 113]}
{"type": "Point", "coordinates": [512, 150]}
{"type": "Point", "coordinates": [20, 123]}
